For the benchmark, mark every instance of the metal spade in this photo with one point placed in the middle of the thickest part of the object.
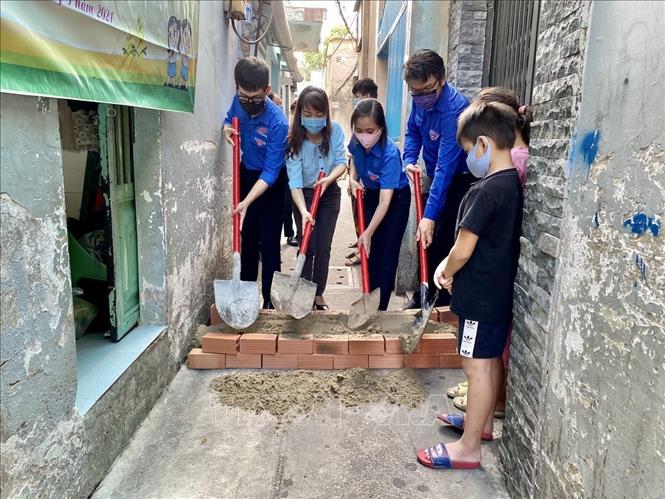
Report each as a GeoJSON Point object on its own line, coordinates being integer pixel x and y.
{"type": "Point", "coordinates": [363, 309]}
{"type": "Point", "coordinates": [291, 294]}
{"type": "Point", "coordinates": [417, 329]}
{"type": "Point", "coordinates": [237, 301]}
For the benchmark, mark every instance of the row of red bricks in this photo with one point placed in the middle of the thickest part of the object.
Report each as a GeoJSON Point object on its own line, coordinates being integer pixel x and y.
{"type": "Point", "coordinates": [202, 360]}
{"type": "Point", "coordinates": [306, 352]}
{"type": "Point", "coordinates": [255, 350]}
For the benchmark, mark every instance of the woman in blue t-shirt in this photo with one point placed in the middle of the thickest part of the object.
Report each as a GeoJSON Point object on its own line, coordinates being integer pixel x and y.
{"type": "Point", "coordinates": [377, 170]}
{"type": "Point", "coordinates": [316, 145]}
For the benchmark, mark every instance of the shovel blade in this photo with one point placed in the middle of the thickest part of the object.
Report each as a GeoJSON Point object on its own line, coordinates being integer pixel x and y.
{"type": "Point", "coordinates": [237, 302]}
{"type": "Point", "coordinates": [292, 296]}
{"type": "Point", "coordinates": [410, 342]}
{"type": "Point", "coordinates": [363, 310]}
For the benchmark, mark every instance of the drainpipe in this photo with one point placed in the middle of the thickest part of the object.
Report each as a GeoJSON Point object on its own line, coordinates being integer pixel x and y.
{"type": "Point", "coordinates": [282, 37]}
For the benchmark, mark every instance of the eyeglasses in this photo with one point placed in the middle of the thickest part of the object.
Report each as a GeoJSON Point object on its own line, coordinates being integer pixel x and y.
{"type": "Point", "coordinates": [254, 100]}
{"type": "Point", "coordinates": [425, 91]}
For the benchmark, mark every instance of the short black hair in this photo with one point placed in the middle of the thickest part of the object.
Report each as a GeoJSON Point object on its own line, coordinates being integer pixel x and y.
{"type": "Point", "coordinates": [492, 119]}
{"type": "Point", "coordinates": [365, 86]}
{"type": "Point", "coordinates": [423, 64]}
{"type": "Point", "coordinates": [252, 74]}
{"type": "Point", "coordinates": [371, 108]}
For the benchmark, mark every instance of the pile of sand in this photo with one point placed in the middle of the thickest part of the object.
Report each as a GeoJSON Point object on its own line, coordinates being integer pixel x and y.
{"type": "Point", "coordinates": [289, 394]}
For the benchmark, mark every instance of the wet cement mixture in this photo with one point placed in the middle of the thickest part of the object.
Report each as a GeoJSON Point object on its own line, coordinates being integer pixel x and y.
{"type": "Point", "coordinates": [289, 394]}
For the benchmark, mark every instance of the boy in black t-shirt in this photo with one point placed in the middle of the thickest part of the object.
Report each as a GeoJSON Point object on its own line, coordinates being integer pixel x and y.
{"type": "Point", "coordinates": [483, 262]}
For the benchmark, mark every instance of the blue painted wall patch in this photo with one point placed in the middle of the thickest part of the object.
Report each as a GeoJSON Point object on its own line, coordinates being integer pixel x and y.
{"type": "Point", "coordinates": [641, 223]}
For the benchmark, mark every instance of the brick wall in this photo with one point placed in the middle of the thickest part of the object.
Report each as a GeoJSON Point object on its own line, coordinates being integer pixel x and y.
{"type": "Point", "coordinates": [466, 44]}
{"type": "Point", "coordinates": [556, 99]}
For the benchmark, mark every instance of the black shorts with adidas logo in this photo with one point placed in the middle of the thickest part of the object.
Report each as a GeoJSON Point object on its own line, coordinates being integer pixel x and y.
{"type": "Point", "coordinates": [481, 340]}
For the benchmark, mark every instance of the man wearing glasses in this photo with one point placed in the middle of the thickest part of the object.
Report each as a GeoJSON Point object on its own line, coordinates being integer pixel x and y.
{"type": "Point", "coordinates": [432, 128]}
{"type": "Point", "coordinates": [263, 130]}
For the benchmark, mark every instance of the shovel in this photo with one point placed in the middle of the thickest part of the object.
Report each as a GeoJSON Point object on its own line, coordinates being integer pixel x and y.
{"type": "Point", "coordinates": [410, 342]}
{"type": "Point", "coordinates": [237, 301]}
{"type": "Point", "coordinates": [362, 310]}
{"type": "Point", "coordinates": [290, 294]}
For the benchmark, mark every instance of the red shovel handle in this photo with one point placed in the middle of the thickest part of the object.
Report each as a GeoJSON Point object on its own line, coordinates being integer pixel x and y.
{"type": "Point", "coordinates": [364, 265]}
{"type": "Point", "coordinates": [236, 183]}
{"type": "Point", "coordinates": [313, 210]}
{"type": "Point", "coordinates": [424, 271]}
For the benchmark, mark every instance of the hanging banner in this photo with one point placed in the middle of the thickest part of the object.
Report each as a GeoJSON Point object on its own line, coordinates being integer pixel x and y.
{"type": "Point", "coordinates": [120, 52]}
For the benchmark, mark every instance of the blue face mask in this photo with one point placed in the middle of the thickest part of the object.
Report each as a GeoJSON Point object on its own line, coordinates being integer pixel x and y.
{"type": "Point", "coordinates": [313, 125]}
{"type": "Point", "coordinates": [479, 166]}
{"type": "Point", "coordinates": [355, 101]}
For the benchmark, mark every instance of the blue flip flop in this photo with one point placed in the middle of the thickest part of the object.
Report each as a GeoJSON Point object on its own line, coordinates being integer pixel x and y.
{"type": "Point", "coordinates": [456, 420]}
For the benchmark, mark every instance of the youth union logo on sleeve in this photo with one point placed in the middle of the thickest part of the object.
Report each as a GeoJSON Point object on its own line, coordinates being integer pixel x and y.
{"type": "Point", "coordinates": [373, 176]}
{"type": "Point", "coordinates": [433, 135]}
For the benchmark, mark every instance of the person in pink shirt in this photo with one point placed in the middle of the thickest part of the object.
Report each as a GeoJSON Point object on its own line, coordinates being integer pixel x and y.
{"type": "Point", "coordinates": [520, 157]}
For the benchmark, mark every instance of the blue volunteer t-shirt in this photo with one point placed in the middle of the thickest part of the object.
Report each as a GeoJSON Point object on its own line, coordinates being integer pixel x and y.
{"type": "Point", "coordinates": [435, 132]}
{"type": "Point", "coordinates": [262, 138]}
{"type": "Point", "coordinates": [381, 167]}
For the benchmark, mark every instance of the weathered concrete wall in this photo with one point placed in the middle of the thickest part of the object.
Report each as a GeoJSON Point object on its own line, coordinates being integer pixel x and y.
{"type": "Point", "coordinates": [556, 99]}
{"type": "Point", "coordinates": [466, 44]}
{"type": "Point", "coordinates": [585, 408]}
{"type": "Point", "coordinates": [183, 188]}
{"type": "Point", "coordinates": [37, 351]}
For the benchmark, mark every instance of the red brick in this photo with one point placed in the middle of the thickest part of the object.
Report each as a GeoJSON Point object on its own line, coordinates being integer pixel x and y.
{"type": "Point", "coordinates": [214, 316]}
{"type": "Point", "coordinates": [265, 343]}
{"type": "Point", "coordinates": [335, 345]}
{"type": "Point", "coordinates": [279, 361]}
{"type": "Point", "coordinates": [244, 361]}
{"type": "Point", "coordinates": [445, 315]}
{"type": "Point", "coordinates": [350, 361]}
{"type": "Point", "coordinates": [315, 361]}
{"type": "Point", "coordinates": [367, 345]}
{"type": "Point", "coordinates": [421, 360]}
{"type": "Point", "coordinates": [450, 361]}
{"type": "Point", "coordinates": [295, 346]}
{"type": "Point", "coordinates": [393, 345]}
{"type": "Point", "coordinates": [199, 360]}
{"type": "Point", "coordinates": [438, 343]}
{"type": "Point", "coordinates": [220, 343]}
{"type": "Point", "coordinates": [388, 361]}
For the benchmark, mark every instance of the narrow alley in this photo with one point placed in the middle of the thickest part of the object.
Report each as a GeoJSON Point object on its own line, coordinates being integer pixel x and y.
{"type": "Point", "coordinates": [496, 331]}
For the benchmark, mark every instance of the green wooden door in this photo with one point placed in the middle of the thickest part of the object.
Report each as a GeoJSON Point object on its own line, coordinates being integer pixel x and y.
{"type": "Point", "coordinates": [116, 124]}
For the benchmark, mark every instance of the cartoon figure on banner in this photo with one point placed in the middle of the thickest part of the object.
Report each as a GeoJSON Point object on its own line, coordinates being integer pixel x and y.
{"type": "Point", "coordinates": [185, 49]}
{"type": "Point", "coordinates": [173, 41]}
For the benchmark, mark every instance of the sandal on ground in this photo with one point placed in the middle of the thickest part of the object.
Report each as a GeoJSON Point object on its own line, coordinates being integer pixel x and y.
{"type": "Point", "coordinates": [460, 403]}
{"type": "Point", "coordinates": [350, 262]}
{"type": "Point", "coordinates": [457, 421]}
{"type": "Point", "coordinates": [437, 458]}
{"type": "Point", "coordinates": [321, 307]}
{"type": "Point", "coordinates": [458, 390]}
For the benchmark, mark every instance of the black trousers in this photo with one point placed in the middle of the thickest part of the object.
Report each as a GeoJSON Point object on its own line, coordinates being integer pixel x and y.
{"type": "Point", "coordinates": [261, 230]}
{"type": "Point", "coordinates": [288, 212]}
{"type": "Point", "coordinates": [318, 253]}
{"type": "Point", "coordinates": [444, 230]}
{"type": "Point", "coordinates": [386, 241]}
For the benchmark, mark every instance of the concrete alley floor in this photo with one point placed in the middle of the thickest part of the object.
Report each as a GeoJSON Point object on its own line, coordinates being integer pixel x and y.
{"type": "Point", "coordinates": [191, 446]}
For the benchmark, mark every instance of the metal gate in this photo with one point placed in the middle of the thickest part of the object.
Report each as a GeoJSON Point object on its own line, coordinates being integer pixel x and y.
{"type": "Point", "coordinates": [512, 44]}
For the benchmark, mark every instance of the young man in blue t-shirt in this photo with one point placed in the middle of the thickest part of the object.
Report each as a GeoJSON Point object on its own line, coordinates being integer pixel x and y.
{"type": "Point", "coordinates": [431, 129]}
{"type": "Point", "coordinates": [263, 131]}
